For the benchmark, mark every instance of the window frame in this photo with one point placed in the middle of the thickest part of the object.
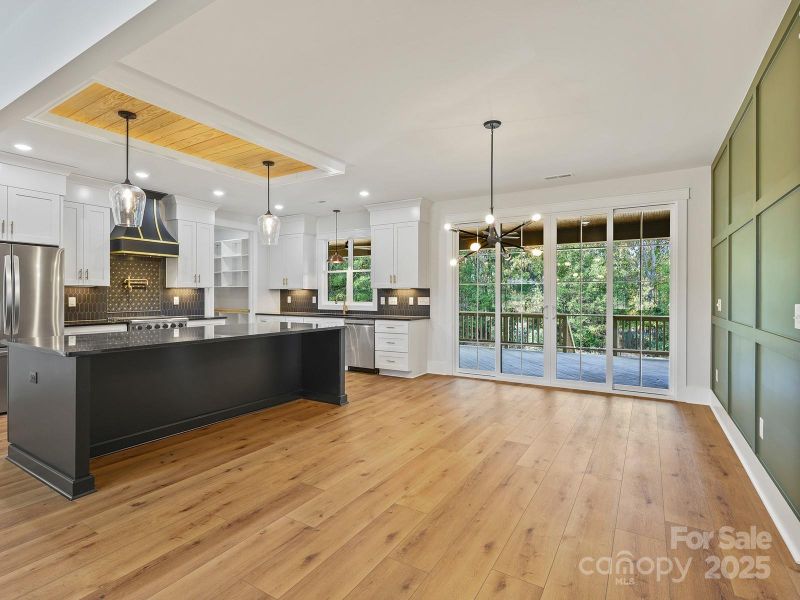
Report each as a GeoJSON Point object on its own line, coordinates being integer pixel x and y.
{"type": "Point", "coordinates": [322, 301]}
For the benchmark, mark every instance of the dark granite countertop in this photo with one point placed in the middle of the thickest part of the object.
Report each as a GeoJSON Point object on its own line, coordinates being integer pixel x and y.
{"type": "Point", "coordinates": [101, 343]}
{"type": "Point", "coordinates": [126, 320]}
{"type": "Point", "coordinates": [365, 316]}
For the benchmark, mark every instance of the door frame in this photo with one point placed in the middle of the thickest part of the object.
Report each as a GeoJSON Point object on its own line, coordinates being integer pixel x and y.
{"type": "Point", "coordinates": [676, 200]}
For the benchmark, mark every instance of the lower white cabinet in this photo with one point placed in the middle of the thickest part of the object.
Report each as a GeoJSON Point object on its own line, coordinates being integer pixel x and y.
{"type": "Point", "coordinates": [204, 322]}
{"type": "Point", "coordinates": [324, 321]}
{"type": "Point", "coordinates": [401, 347]}
{"type": "Point", "coordinates": [86, 243]}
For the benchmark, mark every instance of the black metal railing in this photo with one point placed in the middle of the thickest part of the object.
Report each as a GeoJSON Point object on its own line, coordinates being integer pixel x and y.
{"type": "Point", "coordinates": [648, 333]}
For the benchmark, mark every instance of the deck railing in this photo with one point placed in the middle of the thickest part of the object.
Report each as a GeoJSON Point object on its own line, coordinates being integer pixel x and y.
{"type": "Point", "coordinates": [528, 329]}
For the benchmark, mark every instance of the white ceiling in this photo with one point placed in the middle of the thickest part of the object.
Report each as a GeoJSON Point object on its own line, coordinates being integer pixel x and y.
{"type": "Point", "coordinates": [399, 90]}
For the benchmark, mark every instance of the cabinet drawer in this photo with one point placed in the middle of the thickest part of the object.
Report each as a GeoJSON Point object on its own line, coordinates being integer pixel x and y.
{"type": "Point", "coordinates": [88, 329]}
{"type": "Point", "coordinates": [395, 361]}
{"type": "Point", "coordinates": [391, 342]}
{"type": "Point", "coordinates": [391, 326]}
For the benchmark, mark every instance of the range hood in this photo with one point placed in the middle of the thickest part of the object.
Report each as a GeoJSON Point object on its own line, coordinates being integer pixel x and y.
{"type": "Point", "coordinates": [151, 239]}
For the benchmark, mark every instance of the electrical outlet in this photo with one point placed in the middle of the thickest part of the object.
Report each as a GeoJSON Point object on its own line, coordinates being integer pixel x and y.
{"type": "Point", "coordinates": [288, 299]}
{"type": "Point", "coordinates": [424, 301]}
{"type": "Point", "coordinates": [33, 377]}
{"type": "Point", "coordinates": [761, 427]}
{"type": "Point", "coordinates": [411, 300]}
{"type": "Point", "coordinates": [716, 375]}
{"type": "Point", "coordinates": [313, 299]}
{"type": "Point", "coordinates": [719, 304]}
{"type": "Point", "coordinates": [383, 300]}
{"type": "Point", "coordinates": [72, 340]}
{"type": "Point", "coordinates": [176, 300]}
{"type": "Point", "coordinates": [72, 302]}
{"type": "Point", "coordinates": [392, 300]}
{"type": "Point", "coordinates": [797, 316]}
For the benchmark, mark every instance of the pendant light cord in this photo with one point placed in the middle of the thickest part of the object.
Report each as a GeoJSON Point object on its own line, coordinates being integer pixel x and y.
{"type": "Point", "coordinates": [127, 149]}
{"type": "Point", "coordinates": [268, 189]}
{"type": "Point", "coordinates": [491, 172]}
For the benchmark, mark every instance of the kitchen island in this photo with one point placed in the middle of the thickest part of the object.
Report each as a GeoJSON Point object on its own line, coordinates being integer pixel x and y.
{"type": "Point", "coordinates": [72, 398]}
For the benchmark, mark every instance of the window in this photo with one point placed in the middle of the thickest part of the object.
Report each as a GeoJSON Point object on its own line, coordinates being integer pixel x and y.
{"type": "Point", "coordinates": [351, 280]}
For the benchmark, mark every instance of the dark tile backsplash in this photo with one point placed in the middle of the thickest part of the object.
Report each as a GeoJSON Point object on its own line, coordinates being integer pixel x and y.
{"type": "Point", "coordinates": [117, 301]}
{"type": "Point", "coordinates": [301, 302]}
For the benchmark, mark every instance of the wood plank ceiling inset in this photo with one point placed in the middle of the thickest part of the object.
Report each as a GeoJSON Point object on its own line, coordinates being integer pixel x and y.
{"type": "Point", "coordinates": [97, 106]}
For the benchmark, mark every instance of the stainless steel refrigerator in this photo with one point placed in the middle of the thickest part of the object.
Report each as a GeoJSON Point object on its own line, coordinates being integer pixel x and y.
{"type": "Point", "coordinates": [32, 301]}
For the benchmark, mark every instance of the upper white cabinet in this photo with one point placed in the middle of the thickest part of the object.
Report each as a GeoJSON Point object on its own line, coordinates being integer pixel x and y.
{"type": "Point", "coordinates": [292, 261]}
{"type": "Point", "coordinates": [194, 267]}
{"type": "Point", "coordinates": [399, 245]}
{"type": "Point", "coordinates": [192, 224]}
{"type": "Point", "coordinates": [29, 216]}
{"type": "Point", "coordinates": [85, 240]}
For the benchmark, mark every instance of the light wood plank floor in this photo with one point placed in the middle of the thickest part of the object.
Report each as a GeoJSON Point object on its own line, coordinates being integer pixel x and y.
{"type": "Point", "coordinates": [437, 488]}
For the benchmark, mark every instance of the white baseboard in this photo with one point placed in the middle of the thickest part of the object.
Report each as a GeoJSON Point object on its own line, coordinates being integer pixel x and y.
{"type": "Point", "coordinates": [785, 520]}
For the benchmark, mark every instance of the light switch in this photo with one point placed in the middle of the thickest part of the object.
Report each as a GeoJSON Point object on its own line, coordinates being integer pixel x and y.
{"type": "Point", "coordinates": [797, 316]}
{"type": "Point", "coordinates": [288, 299]}
{"type": "Point", "coordinates": [761, 427]}
{"type": "Point", "coordinates": [313, 299]}
{"type": "Point", "coordinates": [716, 375]}
{"type": "Point", "coordinates": [424, 301]}
{"type": "Point", "coordinates": [72, 302]}
{"type": "Point", "coordinates": [392, 300]}
{"type": "Point", "coordinates": [411, 300]}
{"type": "Point", "coordinates": [719, 304]}
{"type": "Point", "coordinates": [176, 300]}
{"type": "Point", "coordinates": [383, 299]}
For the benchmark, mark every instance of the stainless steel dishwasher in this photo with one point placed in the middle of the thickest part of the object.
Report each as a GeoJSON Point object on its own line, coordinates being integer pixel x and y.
{"type": "Point", "coordinates": [360, 342]}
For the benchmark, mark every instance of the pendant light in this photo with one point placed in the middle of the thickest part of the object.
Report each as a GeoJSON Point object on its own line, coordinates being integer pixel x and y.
{"type": "Point", "coordinates": [127, 200]}
{"type": "Point", "coordinates": [336, 258]}
{"type": "Point", "coordinates": [269, 226]}
{"type": "Point", "coordinates": [489, 237]}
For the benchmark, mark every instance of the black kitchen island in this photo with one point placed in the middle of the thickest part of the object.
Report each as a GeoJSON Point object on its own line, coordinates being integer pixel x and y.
{"type": "Point", "coordinates": [72, 398]}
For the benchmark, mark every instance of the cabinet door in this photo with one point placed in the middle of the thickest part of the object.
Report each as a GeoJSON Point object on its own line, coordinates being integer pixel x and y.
{"type": "Point", "coordinates": [204, 254]}
{"type": "Point", "coordinates": [33, 217]}
{"type": "Point", "coordinates": [383, 258]}
{"type": "Point", "coordinates": [293, 265]}
{"type": "Point", "coordinates": [72, 242]}
{"type": "Point", "coordinates": [406, 236]}
{"type": "Point", "coordinates": [187, 245]}
{"type": "Point", "coordinates": [96, 245]}
{"type": "Point", "coordinates": [276, 272]}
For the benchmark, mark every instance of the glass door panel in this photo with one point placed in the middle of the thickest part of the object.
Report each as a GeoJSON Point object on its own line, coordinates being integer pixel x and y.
{"type": "Point", "coordinates": [641, 298]}
{"type": "Point", "coordinates": [476, 308]}
{"type": "Point", "coordinates": [581, 298]}
{"type": "Point", "coordinates": [522, 300]}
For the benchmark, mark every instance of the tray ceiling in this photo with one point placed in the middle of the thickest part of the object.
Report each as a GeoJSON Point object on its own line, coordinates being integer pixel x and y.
{"type": "Point", "coordinates": [96, 105]}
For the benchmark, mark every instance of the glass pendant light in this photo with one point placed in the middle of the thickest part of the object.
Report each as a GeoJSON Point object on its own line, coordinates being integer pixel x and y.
{"type": "Point", "coordinates": [336, 258]}
{"type": "Point", "coordinates": [269, 226]}
{"type": "Point", "coordinates": [127, 200]}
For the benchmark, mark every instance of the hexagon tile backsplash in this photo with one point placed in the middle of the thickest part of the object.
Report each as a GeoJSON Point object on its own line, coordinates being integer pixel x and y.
{"type": "Point", "coordinates": [117, 301]}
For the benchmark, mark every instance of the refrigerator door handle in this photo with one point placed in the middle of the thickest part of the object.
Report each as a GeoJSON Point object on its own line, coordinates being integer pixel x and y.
{"type": "Point", "coordinates": [16, 295]}
{"type": "Point", "coordinates": [7, 295]}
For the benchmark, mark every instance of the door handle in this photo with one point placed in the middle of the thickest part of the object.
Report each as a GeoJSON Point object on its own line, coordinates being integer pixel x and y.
{"type": "Point", "coordinates": [16, 292]}
{"type": "Point", "coordinates": [7, 295]}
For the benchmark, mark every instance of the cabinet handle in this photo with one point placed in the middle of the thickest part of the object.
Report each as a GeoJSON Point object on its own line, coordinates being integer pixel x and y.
{"type": "Point", "coordinates": [12, 227]}
{"type": "Point", "coordinates": [4, 226]}
{"type": "Point", "coordinates": [198, 278]}
{"type": "Point", "coordinates": [80, 273]}
{"type": "Point", "coordinates": [87, 274]}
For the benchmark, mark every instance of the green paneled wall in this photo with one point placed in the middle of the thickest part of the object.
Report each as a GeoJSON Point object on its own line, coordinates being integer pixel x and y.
{"type": "Point", "coordinates": [756, 262]}
{"type": "Point", "coordinates": [778, 386]}
{"type": "Point", "coordinates": [743, 275]}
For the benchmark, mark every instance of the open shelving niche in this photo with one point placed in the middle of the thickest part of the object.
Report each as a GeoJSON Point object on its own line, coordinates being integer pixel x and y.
{"type": "Point", "coordinates": [231, 263]}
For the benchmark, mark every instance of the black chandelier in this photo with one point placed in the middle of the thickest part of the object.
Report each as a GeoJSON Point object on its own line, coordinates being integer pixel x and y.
{"type": "Point", "coordinates": [491, 237]}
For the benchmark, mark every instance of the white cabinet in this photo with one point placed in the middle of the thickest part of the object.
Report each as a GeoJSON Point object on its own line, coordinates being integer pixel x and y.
{"type": "Point", "coordinates": [399, 244]}
{"type": "Point", "coordinates": [291, 263]}
{"type": "Point", "coordinates": [86, 244]}
{"type": "Point", "coordinates": [194, 267]}
{"type": "Point", "coordinates": [401, 347]}
{"type": "Point", "coordinates": [399, 259]}
{"type": "Point", "coordinates": [29, 216]}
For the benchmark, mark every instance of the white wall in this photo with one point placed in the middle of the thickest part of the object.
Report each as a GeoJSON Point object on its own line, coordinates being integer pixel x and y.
{"type": "Point", "coordinates": [698, 273]}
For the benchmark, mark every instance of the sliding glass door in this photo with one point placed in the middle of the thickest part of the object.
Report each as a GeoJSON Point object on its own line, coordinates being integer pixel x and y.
{"type": "Point", "coordinates": [579, 299]}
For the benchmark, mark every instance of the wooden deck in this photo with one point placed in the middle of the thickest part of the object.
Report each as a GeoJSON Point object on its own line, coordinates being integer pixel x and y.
{"type": "Point", "coordinates": [438, 488]}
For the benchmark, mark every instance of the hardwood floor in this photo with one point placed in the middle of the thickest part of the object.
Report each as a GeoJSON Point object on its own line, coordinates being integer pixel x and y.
{"type": "Point", "coordinates": [436, 488]}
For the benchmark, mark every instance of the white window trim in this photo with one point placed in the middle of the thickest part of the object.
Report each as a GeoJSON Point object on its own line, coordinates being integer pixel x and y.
{"type": "Point", "coordinates": [322, 257]}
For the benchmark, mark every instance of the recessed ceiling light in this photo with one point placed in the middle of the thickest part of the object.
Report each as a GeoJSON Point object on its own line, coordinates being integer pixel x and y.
{"type": "Point", "coordinates": [536, 217]}
{"type": "Point", "coordinates": [279, 207]}
{"type": "Point", "coordinates": [23, 147]}
{"type": "Point", "coordinates": [142, 174]}
{"type": "Point", "coordinates": [363, 193]}
{"type": "Point", "coordinates": [219, 193]}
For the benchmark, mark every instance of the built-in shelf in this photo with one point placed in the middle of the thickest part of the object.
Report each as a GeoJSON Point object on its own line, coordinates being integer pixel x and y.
{"type": "Point", "coordinates": [232, 263]}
